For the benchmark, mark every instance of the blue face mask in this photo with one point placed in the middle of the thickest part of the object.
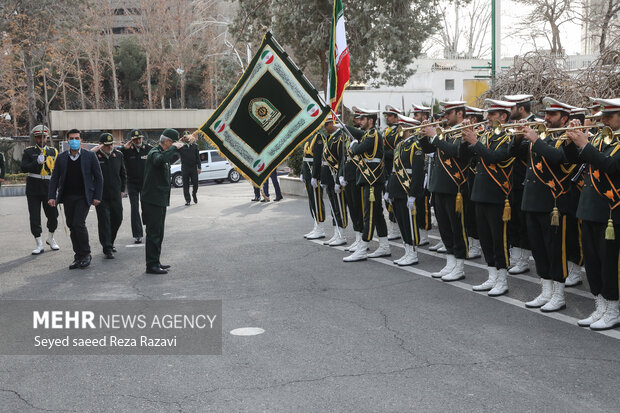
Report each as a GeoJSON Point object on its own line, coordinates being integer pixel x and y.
{"type": "Point", "coordinates": [74, 144]}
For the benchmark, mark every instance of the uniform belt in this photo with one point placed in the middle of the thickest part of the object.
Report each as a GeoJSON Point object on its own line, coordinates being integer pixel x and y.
{"type": "Point", "coordinates": [308, 159]}
{"type": "Point", "coordinates": [374, 160]}
{"type": "Point", "coordinates": [39, 176]}
{"type": "Point", "coordinates": [409, 171]}
{"type": "Point", "coordinates": [325, 163]}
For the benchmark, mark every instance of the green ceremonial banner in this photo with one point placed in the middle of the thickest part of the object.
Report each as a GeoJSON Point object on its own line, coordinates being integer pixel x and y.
{"type": "Point", "coordinates": [271, 110]}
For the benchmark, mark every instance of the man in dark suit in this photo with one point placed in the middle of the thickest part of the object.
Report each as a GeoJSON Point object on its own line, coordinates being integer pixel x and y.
{"type": "Point", "coordinates": [190, 169]}
{"type": "Point", "coordinates": [78, 183]}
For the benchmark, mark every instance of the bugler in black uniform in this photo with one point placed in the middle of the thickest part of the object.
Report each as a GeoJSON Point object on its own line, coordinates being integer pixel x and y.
{"type": "Point", "coordinates": [314, 190]}
{"type": "Point", "coordinates": [392, 136]}
{"type": "Point", "coordinates": [423, 203]}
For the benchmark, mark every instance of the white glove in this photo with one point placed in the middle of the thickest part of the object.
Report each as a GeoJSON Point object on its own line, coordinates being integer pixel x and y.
{"type": "Point", "coordinates": [352, 142]}
{"type": "Point", "coordinates": [314, 183]}
{"type": "Point", "coordinates": [411, 203]}
{"type": "Point", "coordinates": [386, 196]}
{"type": "Point", "coordinates": [41, 158]}
{"type": "Point", "coordinates": [343, 182]}
{"type": "Point", "coordinates": [337, 188]}
{"type": "Point", "coordinates": [301, 178]}
{"type": "Point", "coordinates": [324, 186]}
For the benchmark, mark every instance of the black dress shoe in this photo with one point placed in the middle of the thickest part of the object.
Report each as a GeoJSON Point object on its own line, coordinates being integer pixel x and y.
{"type": "Point", "coordinates": [188, 203]}
{"type": "Point", "coordinates": [265, 200]}
{"type": "Point", "coordinates": [138, 240]}
{"type": "Point", "coordinates": [195, 198]}
{"type": "Point", "coordinates": [256, 199]}
{"type": "Point", "coordinates": [75, 264]}
{"type": "Point", "coordinates": [279, 198]}
{"type": "Point", "coordinates": [113, 249]}
{"type": "Point", "coordinates": [85, 261]}
{"type": "Point", "coordinates": [109, 255]}
{"type": "Point", "coordinates": [155, 270]}
{"type": "Point", "coordinates": [164, 267]}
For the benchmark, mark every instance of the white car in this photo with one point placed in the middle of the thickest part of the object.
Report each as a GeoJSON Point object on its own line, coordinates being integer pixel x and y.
{"type": "Point", "coordinates": [214, 167]}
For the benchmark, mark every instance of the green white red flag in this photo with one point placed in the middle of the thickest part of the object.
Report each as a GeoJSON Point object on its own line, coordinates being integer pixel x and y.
{"type": "Point", "coordinates": [339, 65]}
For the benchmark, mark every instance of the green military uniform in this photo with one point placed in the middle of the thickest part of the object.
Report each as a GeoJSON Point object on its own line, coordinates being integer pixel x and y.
{"type": "Point", "coordinates": [110, 210]}
{"type": "Point", "coordinates": [156, 197]}
{"type": "Point", "coordinates": [367, 154]}
{"type": "Point", "coordinates": [407, 181]}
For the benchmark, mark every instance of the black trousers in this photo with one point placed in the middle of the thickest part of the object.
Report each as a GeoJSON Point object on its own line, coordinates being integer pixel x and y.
{"type": "Point", "coordinates": [190, 176]}
{"type": "Point", "coordinates": [601, 258]}
{"type": "Point", "coordinates": [451, 225]}
{"type": "Point", "coordinates": [373, 212]}
{"type": "Point", "coordinates": [353, 196]}
{"type": "Point", "coordinates": [36, 196]}
{"type": "Point", "coordinates": [109, 218]}
{"type": "Point", "coordinates": [407, 220]}
{"type": "Point", "coordinates": [517, 226]}
{"type": "Point", "coordinates": [76, 211]}
{"type": "Point", "coordinates": [574, 248]}
{"type": "Point", "coordinates": [493, 234]}
{"type": "Point", "coordinates": [338, 206]}
{"type": "Point", "coordinates": [423, 211]}
{"type": "Point", "coordinates": [314, 194]}
{"type": "Point", "coordinates": [133, 190]}
{"type": "Point", "coordinates": [548, 245]}
{"type": "Point", "coordinates": [154, 219]}
{"type": "Point", "coordinates": [470, 218]}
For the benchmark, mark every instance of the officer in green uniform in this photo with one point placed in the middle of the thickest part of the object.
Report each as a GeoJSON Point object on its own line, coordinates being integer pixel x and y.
{"type": "Point", "coordinates": [600, 215]}
{"type": "Point", "coordinates": [134, 153]}
{"type": "Point", "coordinates": [366, 150]}
{"type": "Point", "coordinates": [312, 152]}
{"type": "Point", "coordinates": [391, 136]}
{"type": "Point", "coordinates": [38, 161]}
{"type": "Point", "coordinates": [546, 204]}
{"type": "Point", "coordinates": [423, 203]}
{"type": "Point", "coordinates": [448, 184]}
{"type": "Point", "coordinates": [110, 210]}
{"type": "Point", "coordinates": [490, 194]}
{"type": "Point", "coordinates": [517, 228]}
{"type": "Point", "coordinates": [405, 185]}
{"type": "Point", "coordinates": [325, 169]}
{"type": "Point", "coordinates": [156, 197]}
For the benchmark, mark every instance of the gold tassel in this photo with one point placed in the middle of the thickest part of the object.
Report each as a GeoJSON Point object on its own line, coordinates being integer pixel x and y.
{"type": "Point", "coordinates": [507, 211]}
{"type": "Point", "coordinates": [459, 203]}
{"type": "Point", "coordinates": [610, 234]}
{"type": "Point", "coordinates": [555, 217]}
{"type": "Point", "coordinates": [371, 198]}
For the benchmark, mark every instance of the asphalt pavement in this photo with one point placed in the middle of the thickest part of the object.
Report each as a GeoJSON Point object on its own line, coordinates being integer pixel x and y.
{"type": "Point", "coordinates": [363, 337]}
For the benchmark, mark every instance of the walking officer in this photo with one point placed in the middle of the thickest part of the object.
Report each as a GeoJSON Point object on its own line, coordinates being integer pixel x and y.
{"type": "Point", "coordinates": [38, 161]}
{"type": "Point", "coordinates": [134, 153]}
{"type": "Point", "coordinates": [190, 169]}
{"type": "Point", "coordinates": [110, 210]}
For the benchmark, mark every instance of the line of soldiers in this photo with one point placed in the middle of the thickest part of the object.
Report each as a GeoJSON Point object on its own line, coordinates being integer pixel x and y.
{"type": "Point", "coordinates": [513, 182]}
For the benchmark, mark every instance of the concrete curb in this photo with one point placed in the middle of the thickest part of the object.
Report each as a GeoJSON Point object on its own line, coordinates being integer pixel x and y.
{"type": "Point", "coordinates": [291, 185]}
{"type": "Point", "coordinates": [13, 190]}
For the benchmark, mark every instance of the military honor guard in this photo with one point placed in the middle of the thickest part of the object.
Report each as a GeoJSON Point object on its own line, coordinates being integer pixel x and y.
{"type": "Point", "coordinates": [156, 197]}
{"type": "Point", "coordinates": [546, 203]}
{"type": "Point", "coordinates": [405, 185]}
{"type": "Point", "coordinates": [110, 210]}
{"type": "Point", "coordinates": [391, 136]}
{"type": "Point", "coordinates": [519, 241]}
{"type": "Point", "coordinates": [473, 115]}
{"type": "Point", "coordinates": [423, 203]}
{"type": "Point", "coordinates": [39, 161]}
{"type": "Point", "coordinates": [134, 153]}
{"type": "Point", "coordinates": [313, 149]}
{"type": "Point", "coordinates": [448, 184]}
{"type": "Point", "coordinates": [599, 213]}
{"type": "Point", "coordinates": [326, 169]}
{"type": "Point", "coordinates": [366, 151]}
{"type": "Point", "coordinates": [491, 194]}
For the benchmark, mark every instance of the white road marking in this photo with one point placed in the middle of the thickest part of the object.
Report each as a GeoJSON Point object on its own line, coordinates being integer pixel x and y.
{"type": "Point", "coordinates": [134, 245]}
{"type": "Point", "coordinates": [467, 287]}
{"type": "Point", "coordinates": [247, 331]}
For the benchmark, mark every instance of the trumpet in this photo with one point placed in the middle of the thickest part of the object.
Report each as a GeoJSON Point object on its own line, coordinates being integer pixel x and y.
{"type": "Point", "coordinates": [543, 131]}
{"type": "Point", "coordinates": [499, 127]}
{"type": "Point", "coordinates": [443, 133]}
{"type": "Point", "coordinates": [609, 135]}
{"type": "Point", "coordinates": [419, 127]}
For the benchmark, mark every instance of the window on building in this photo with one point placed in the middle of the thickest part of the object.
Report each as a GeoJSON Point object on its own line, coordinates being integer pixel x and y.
{"type": "Point", "coordinates": [449, 84]}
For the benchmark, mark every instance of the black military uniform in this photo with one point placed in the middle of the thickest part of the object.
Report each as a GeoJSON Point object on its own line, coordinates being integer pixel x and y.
{"type": "Point", "coordinates": [352, 191]}
{"type": "Point", "coordinates": [135, 161]}
{"type": "Point", "coordinates": [327, 154]}
{"type": "Point", "coordinates": [393, 135]}
{"type": "Point", "coordinates": [312, 151]}
{"type": "Point", "coordinates": [190, 164]}
{"type": "Point", "coordinates": [407, 181]}
{"type": "Point", "coordinates": [370, 176]}
{"type": "Point", "coordinates": [37, 186]}
{"type": "Point", "coordinates": [156, 198]}
{"type": "Point", "coordinates": [110, 210]}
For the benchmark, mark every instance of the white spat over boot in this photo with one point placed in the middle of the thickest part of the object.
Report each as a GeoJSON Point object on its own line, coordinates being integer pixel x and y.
{"type": "Point", "coordinates": [383, 250]}
{"type": "Point", "coordinates": [489, 283]}
{"type": "Point", "coordinates": [406, 247]}
{"type": "Point", "coordinates": [318, 233]}
{"type": "Point", "coordinates": [610, 319]}
{"type": "Point", "coordinates": [423, 237]}
{"type": "Point", "coordinates": [450, 263]}
{"type": "Point", "coordinates": [353, 247]}
{"type": "Point", "coordinates": [600, 305]}
{"type": "Point", "coordinates": [359, 254]}
{"type": "Point", "coordinates": [457, 273]}
{"type": "Point", "coordinates": [339, 239]}
{"type": "Point", "coordinates": [557, 302]}
{"type": "Point", "coordinates": [501, 284]}
{"type": "Point", "coordinates": [574, 275]}
{"type": "Point", "coordinates": [52, 242]}
{"type": "Point", "coordinates": [545, 295]}
{"type": "Point", "coordinates": [39, 249]}
{"type": "Point", "coordinates": [311, 232]}
{"type": "Point", "coordinates": [410, 258]}
{"type": "Point", "coordinates": [394, 232]}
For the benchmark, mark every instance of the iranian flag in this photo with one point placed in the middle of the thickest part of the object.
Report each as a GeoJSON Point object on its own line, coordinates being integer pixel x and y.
{"type": "Point", "coordinates": [338, 76]}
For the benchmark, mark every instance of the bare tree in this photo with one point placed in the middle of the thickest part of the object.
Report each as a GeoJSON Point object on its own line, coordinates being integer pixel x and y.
{"type": "Point", "coordinates": [545, 20]}
{"type": "Point", "coordinates": [600, 20]}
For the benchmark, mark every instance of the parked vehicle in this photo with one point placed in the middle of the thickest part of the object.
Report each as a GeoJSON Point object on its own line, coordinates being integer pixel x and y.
{"type": "Point", "coordinates": [214, 168]}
